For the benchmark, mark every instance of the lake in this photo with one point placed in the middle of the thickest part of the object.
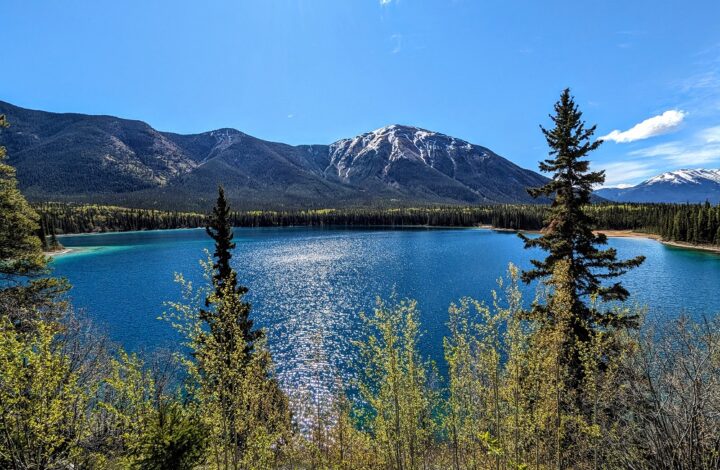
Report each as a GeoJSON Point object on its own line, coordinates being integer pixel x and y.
{"type": "Point", "coordinates": [307, 285]}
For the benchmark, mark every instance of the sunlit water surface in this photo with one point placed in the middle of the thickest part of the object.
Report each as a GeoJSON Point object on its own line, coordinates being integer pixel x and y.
{"type": "Point", "coordinates": [307, 286]}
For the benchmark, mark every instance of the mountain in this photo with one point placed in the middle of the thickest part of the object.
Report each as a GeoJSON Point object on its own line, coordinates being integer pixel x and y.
{"type": "Point", "coordinates": [679, 186]}
{"type": "Point", "coordinates": [105, 159]}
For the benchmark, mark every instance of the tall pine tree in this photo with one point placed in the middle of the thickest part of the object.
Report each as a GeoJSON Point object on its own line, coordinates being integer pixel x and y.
{"type": "Point", "coordinates": [568, 233]}
{"type": "Point", "coordinates": [220, 230]}
{"type": "Point", "coordinates": [246, 411]}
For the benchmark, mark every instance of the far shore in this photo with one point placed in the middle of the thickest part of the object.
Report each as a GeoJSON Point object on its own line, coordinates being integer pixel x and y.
{"type": "Point", "coordinates": [629, 234]}
{"type": "Point", "coordinates": [608, 233]}
{"type": "Point", "coordinates": [653, 236]}
{"type": "Point", "coordinates": [690, 246]}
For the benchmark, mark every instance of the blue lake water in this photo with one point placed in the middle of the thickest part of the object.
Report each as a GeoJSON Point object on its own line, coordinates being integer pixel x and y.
{"type": "Point", "coordinates": [308, 285]}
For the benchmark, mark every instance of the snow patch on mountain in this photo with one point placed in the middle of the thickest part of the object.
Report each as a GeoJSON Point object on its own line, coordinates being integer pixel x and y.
{"type": "Point", "coordinates": [391, 144]}
{"type": "Point", "coordinates": [680, 186]}
{"type": "Point", "coordinates": [696, 176]}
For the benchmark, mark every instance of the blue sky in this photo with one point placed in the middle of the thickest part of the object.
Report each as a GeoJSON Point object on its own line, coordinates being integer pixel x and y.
{"type": "Point", "coordinates": [307, 71]}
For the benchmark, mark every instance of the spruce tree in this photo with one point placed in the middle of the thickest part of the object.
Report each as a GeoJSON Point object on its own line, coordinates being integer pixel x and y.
{"type": "Point", "coordinates": [568, 233]}
{"type": "Point", "coordinates": [25, 291]}
{"type": "Point", "coordinates": [246, 412]}
{"type": "Point", "coordinates": [20, 249]}
{"type": "Point", "coordinates": [220, 230]}
{"type": "Point", "coordinates": [54, 243]}
{"type": "Point", "coordinates": [42, 235]}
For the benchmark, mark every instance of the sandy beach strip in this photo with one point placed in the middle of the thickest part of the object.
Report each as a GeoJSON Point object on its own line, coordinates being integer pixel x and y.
{"type": "Point", "coordinates": [64, 251]}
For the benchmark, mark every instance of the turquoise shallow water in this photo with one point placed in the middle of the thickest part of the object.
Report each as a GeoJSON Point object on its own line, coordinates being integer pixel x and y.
{"type": "Point", "coordinates": [308, 285]}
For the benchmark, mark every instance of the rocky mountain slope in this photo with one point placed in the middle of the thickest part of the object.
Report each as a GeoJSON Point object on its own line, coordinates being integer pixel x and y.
{"type": "Point", "coordinates": [77, 157]}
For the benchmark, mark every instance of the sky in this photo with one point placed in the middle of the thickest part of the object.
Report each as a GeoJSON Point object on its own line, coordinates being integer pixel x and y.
{"type": "Point", "coordinates": [315, 71]}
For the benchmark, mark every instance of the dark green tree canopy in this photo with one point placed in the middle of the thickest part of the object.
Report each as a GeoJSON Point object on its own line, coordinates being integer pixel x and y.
{"type": "Point", "coordinates": [219, 228]}
{"type": "Point", "coordinates": [26, 289]}
{"type": "Point", "coordinates": [20, 248]}
{"type": "Point", "coordinates": [568, 232]}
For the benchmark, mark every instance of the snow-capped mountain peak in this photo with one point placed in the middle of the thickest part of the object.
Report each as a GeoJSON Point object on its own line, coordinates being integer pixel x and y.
{"type": "Point", "coordinates": [679, 186]}
{"type": "Point", "coordinates": [685, 176]}
{"type": "Point", "coordinates": [403, 157]}
{"type": "Point", "coordinates": [398, 142]}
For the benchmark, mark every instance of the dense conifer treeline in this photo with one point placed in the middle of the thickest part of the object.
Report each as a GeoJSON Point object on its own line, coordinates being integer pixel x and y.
{"type": "Point", "coordinates": [86, 218]}
{"type": "Point", "coordinates": [690, 223]}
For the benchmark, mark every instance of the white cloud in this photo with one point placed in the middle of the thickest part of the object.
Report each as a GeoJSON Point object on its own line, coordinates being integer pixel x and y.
{"type": "Point", "coordinates": [619, 173]}
{"type": "Point", "coordinates": [702, 148]}
{"type": "Point", "coordinates": [701, 92]}
{"type": "Point", "coordinates": [397, 40]}
{"type": "Point", "coordinates": [385, 2]}
{"type": "Point", "coordinates": [711, 135]}
{"type": "Point", "coordinates": [656, 125]}
{"type": "Point", "coordinates": [685, 156]}
{"type": "Point", "coordinates": [660, 150]}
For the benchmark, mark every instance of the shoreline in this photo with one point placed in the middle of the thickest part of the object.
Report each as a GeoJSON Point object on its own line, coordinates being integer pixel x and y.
{"type": "Point", "coordinates": [632, 234]}
{"type": "Point", "coordinates": [64, 251]}
{"type": "Point", "coordinates": [653, 236]}
{"type": "Point", "coordinates": [689, 246]}
{"type": "Point", "coordinates": [110, 232]}
{"type": "Point", "coordinates": [609, 233]}
{"type": "Point", "coordinates": [628, 234]}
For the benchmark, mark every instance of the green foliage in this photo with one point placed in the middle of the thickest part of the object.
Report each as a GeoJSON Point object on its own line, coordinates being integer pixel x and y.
{"type": "Point", "coordinates": [241, 404]}
{"type": "Point", "coordinates": [87, 218]}
{"type": "Point", "coordinates": [22, 261]}
{"type": "Point", "coordinates": [487, 356]}
{"type": "Point", "coordinates": [569, 239]}
{"type": "Point", "coordinates": [174, 438]}
{"type": "Point", "coordinates": [20, 249]}
{"type": "Point", "coordinates": [224, 279]}
{"type": "Point", "coordinates": [510, 401]}
{"type": "Point", "coordinates": [41, 399]}
{"type": "Point", "coordinates": [397, 389]}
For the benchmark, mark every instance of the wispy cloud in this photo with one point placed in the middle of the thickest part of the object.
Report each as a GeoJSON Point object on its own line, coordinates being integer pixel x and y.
{"type": "Point", "coordinates": [701, 92]}
{"type": "Point", "coordinates": [397, 40]}
{"type": "Point", "coordinates": [702, 148]}
{"type": "Point", "coordinates": [617, 174]}
{"type": "Point", "coordinates": [385, 2]}
{"type": "Point", "coordinates": [708, 80]}
{"type": "Point", "coordinates": [656, 125]}
{"type": "Point", "coordinates": [711, 135]}
{"type": "Point", "coordinates": [668, 148]}
{"type": "Point", "coordinates": [682, 155]}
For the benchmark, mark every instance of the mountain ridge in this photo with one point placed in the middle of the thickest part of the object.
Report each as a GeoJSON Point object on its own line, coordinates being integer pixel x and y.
{"type": "Point", "coordinates": [693, 185]}
{"type": "Point", "coordinates": [105, 159]}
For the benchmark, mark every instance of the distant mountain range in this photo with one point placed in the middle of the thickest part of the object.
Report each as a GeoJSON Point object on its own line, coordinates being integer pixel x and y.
{"type": "Point", "coordinates": [105, 159]}
{"type": "Point", "coordinates": [679, 186]}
